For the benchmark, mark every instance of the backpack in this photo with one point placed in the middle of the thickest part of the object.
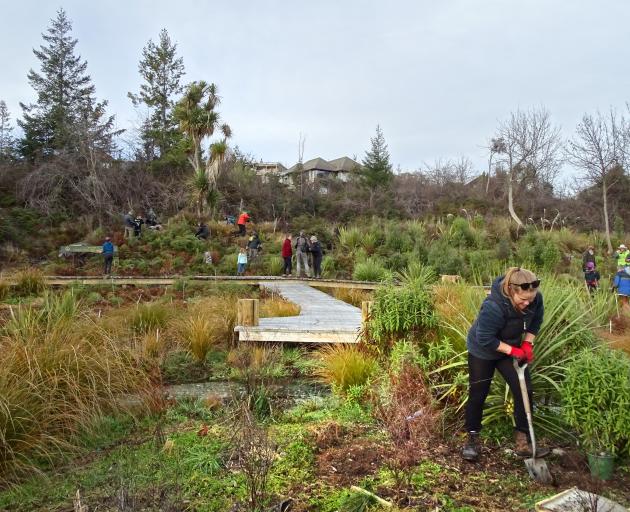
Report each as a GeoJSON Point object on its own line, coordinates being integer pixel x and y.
{"type": "Point", "coordinates": [302, 244]}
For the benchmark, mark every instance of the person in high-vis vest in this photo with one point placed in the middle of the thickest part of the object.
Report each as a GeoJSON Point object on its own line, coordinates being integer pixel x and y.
{"type": "Point", "coordinates": [621, 255]}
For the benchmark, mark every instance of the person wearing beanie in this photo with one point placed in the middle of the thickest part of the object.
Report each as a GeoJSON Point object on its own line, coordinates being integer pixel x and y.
{"type": "Point", "coordinates": [318, 254]}
{"type": "Point", "coordinates": [591, 277]}
{"type": "Point", "coordinates": [588, 257]}
{"type": "Point", "coordinates": [505, 329]}
{"type": "Point", "coordinates": [108, 255]}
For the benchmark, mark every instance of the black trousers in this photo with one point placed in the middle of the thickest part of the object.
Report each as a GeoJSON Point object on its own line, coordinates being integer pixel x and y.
{"type": "Point", "coordinates": [480, 372]}
{"type": "Point", "coordinates": [287, 264]}
{"type": "Point", "coordinates": [317, 265]}
{"type": "Point", "coordinates": [241, 229]}
{"type": "Point", "coordinates": [107, 263]}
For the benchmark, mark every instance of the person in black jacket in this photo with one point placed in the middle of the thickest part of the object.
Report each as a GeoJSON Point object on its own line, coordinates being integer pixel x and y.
{"type": "Point", "coordinates": [203, 231]}
{"type": "Point", "coordinates": [507, 324]}
{"type": "Point", "coordinates": [317, 253]}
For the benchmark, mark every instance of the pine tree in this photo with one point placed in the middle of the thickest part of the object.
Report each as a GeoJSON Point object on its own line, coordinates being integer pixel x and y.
{"type": "Point", "coordinates": [6, 134]}
{"type": "Point", "coordinates": [62, 88]}
{"type": "Point", "coordinates": [161, 71]}
{"type": "Point", "coordinates": [376, 171]}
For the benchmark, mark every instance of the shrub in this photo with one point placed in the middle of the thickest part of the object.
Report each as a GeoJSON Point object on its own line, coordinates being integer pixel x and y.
{"type": "Point", "coordinates": [503, 251]}
{"type": "Point", "coordinates": [596, 400]}
{"type": "Point", "coordinates": [445, 259]}
{"type": "Point", "coordinates": [370, 270]}
{"type": "Point", "coordinates": [396, 241]}
{"type": "Point", "coordinates": [329, 266]}
{"type": "Point", "coordinates": [344, 366]}
{"type": "Point", "coordinates": [350, 238]}
{"type": "Point", "coordinates": [460, 233]}
{"type": "Point", "coordinates": [399, 312]}
{"type": "Point", "coordinates": [407, 396]}
{"type": "Point", "coordinates": [29, 282]}
{"type": "Point", "coordinates": [396, 262]}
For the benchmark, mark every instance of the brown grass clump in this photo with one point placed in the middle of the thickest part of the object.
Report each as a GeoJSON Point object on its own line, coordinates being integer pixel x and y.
{"type": "Point", "coordinates": [5, 289]}
{"type": "Point", "coordinates": [352, 296]}
{"type": "Point", "coordinates": [59, 372]}
{"type": "Point", "coordinates": [344, 366]}
{"type": "Point", "coordinates": [207, 323]}
{"type": "Point", "coordinates": [457, 306]}
{"type": "Point", "coordinates": [277, 306]}
{"type": "Point", "coordinates": [29, 282]}
{"type": "Point", "coordinates": [198, 333]}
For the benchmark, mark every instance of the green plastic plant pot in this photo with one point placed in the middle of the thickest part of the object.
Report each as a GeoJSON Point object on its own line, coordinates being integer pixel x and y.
{"type": "Point", "coordinates": [602, 465]}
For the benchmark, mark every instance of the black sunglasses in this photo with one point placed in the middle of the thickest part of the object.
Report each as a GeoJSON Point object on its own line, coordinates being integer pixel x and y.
{"type": "Point", "coordinates": [526, 286]}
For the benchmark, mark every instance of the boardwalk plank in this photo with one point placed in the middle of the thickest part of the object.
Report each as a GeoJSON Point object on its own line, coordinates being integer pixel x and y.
{"type": "Point", "coordinates": [322, 318]}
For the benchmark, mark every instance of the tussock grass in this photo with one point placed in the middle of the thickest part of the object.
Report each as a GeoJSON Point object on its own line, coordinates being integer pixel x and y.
{"type": "Point", "coordinates": [344, 366]}
{"type": "Point", "coordinates": [58, 374]}
{"type": "Point", "coordinates": [198, 333]}
{"type": "Point", "coordinates": [255, 364]}
{"type": "Point", "coordinates": [29, 282]}
{"type": "Point", "coordinates": [277, 306]}
{"type": "Point", "coordinates": [149, 316]}
{"type": "Point", "coordinates": [5, 289]}
{"type": "Point", "coordinates": [352, 296]}
{"type": "Point", "coordinates": [207, 323]}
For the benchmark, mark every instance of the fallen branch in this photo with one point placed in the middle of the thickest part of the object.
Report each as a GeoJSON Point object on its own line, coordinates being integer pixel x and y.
{"type": "Point", "coordinates": [380, 501]}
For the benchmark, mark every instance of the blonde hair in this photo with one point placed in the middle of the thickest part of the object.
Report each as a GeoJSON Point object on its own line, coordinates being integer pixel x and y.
{"type": "Point", "coordinates": [516, 275]}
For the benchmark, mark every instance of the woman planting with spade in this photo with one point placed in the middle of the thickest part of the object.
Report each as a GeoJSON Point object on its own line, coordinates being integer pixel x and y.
{"type": "Point", "coordinates": [507, 324]}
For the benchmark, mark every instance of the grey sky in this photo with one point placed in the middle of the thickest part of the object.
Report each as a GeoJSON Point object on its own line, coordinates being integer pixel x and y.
{"type": "Point", "coordinates": [437, 76]}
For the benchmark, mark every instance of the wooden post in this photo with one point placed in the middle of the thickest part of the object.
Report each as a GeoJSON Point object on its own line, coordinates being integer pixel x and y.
{"type": "Point", "coordinates": [366, 311]}
{"type": "Point", "coordinates": [247, 312]}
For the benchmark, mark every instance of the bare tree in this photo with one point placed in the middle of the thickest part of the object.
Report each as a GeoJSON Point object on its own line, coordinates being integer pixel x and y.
{"type": "Point", "coordinates": [530, 145]}
{"type": "Point", "coordinates": [599, 148]}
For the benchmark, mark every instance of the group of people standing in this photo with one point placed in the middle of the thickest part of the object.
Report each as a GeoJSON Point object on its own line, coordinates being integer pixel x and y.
{"type": "Point", "coordinates": [133, 223]}
{"type": "Point", "coordinates": [305, 248]}
{"type": "Point", "coordinates": [621, 280]}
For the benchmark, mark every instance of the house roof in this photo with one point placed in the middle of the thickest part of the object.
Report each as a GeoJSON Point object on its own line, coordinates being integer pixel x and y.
{"type": "Point", "coordinates": [344, 164]}
{"type": "Point", "coordinates": [266, 165]}
{"type": "Point", "coordinates": [317, 164]}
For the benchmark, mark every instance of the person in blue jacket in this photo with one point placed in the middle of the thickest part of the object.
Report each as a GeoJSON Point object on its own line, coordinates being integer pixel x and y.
{"type": "Point", "coordinates": [505, 329]}
{"type": "Point", "coordinates": [621, 283]}
{"type": "Point", "coordinates": [108, 255]}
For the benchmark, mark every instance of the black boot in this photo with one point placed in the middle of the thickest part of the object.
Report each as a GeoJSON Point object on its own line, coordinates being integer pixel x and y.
{"type": "Point", "coordinates": [470, 451]}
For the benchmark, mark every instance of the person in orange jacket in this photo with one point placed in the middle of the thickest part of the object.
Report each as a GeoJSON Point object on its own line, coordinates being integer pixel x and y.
{"type": "Point", "coordinates": [242, 220]}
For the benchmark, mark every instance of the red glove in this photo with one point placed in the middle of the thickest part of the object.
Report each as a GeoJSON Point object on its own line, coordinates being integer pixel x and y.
{"type": "Point", "coordinates": [518, 353]}
{"type": "Point", "coordinates": [528, 348]}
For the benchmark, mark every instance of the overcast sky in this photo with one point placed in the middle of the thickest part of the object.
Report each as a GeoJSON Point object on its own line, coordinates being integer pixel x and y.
{"type": "Point", "coordinates": [438, 76]}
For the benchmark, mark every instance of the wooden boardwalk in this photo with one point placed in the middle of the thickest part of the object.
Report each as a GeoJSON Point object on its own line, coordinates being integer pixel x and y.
{"type": "Point", "coordinates": [168, 281]}
{"type": "Point", "coordinates": [322, 318]}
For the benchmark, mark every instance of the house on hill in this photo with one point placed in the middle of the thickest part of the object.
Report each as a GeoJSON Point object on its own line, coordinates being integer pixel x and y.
{"type": "Point", "coordinates": [318, 168]}
{"type": "Point", "coordinates": [266, 169]}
